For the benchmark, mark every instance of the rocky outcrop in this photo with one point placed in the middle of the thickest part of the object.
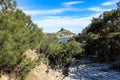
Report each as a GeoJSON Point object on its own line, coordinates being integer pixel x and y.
{"type": "Point", "coordinates": [31, 54]}
{"type": "Point", "coordinates": [6, 77]}
{"type": "Point", "coordinates": [64, 33]}
{"type": "Point", "coordinates": [41, 72]}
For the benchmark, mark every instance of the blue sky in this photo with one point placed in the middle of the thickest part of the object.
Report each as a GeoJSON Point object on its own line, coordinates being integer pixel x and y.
{"type": "Point", "coordinates": [74, 15]}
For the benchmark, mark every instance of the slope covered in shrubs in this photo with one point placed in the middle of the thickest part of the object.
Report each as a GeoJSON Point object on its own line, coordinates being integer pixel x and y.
{"type": "Point", "coordinates": [17, 34]}
{"type": "Point", "coordinates": [101, 39]}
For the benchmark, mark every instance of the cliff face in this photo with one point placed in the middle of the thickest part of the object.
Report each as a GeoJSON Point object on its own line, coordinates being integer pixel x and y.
{"type": "Point", "coordinates": [64, 33]}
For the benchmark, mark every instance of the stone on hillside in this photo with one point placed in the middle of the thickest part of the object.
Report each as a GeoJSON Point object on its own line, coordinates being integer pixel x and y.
{"type": "Point", "coordinates": [41, 72]}
{"type": "Point", "coordinates": [31, 54]}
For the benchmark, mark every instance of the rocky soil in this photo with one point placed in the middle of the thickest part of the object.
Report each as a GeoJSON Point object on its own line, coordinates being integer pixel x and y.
{"type": "Point", "coordinates": [78, 70]}
{"type": "Point", "coordinates": [41, 72]}
{"type": "Point", "coordinates": [88, 70]}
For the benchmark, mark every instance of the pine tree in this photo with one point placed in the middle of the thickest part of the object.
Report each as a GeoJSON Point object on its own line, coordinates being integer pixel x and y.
{"type": "Point", "coordinates": [17, 34]}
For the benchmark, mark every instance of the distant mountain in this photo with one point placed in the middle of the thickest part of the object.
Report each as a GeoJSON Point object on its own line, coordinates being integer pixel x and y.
{"type": "Point", "coordinates": [65, 33]}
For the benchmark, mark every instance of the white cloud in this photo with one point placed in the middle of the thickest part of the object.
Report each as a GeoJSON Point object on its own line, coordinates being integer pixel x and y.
{"type": "Point", "coordinates": [63, 21]}
{"type": "Point", "coordinates": [19, 7]}
{"type": "Point", "coordinates": [74, 24]}
{"type": "Point", "coordinates": [54, 23]}
{"type": "Point", "coordinates": [67, 7]}
{"type": "Point", "coordinates": [98, 9]}
{"type": "Point", "coordinates": [43, 12]}
{"type": "Point", "coordinates": [68, 4]}
{"type": "Point", "coordinates": [109, 3]}
{"type": "Point", "coordinates": [49, 12]}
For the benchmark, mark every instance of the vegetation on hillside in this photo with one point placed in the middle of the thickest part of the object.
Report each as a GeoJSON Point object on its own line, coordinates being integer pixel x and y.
{"type": "Point", "coordinates": [60, 54]}
{"type": "Point", "coordinates": [101, 39]}
{"type": "Point", "coordinates": [17, 34]}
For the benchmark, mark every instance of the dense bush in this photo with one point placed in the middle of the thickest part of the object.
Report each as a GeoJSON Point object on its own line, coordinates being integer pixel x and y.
{"type": "Point", "coordinates": [101, 39]}
{"type": "Point", "coordinates": [17, 34]}
{"type": "Point", "coordinates": [60, 54]}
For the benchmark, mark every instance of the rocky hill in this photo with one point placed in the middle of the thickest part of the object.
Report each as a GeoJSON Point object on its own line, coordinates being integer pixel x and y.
{"type": "Point", "coordinates": [64, 33]}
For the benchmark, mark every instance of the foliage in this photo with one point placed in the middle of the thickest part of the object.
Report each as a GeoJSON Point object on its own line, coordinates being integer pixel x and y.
{"type": "Point", "coordinates": [101, 38]}
{"type": "Point", "coordinates": [60, 53]}
{"type": "Point", "coordinates": [17, 34]}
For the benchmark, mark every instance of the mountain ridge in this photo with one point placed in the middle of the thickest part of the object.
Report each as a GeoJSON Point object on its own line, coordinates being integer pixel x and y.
{"type": "Point", "coordinates": [64, 33]}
